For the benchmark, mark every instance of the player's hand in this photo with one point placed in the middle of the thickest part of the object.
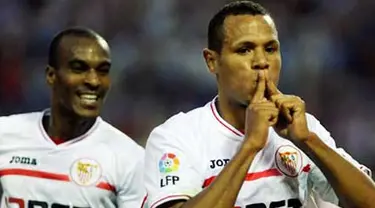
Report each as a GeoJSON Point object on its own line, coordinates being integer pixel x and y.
{"type": "Point", "coordinates": [260, 115]}
{"type": "Point", "coordinates": [292, 122]}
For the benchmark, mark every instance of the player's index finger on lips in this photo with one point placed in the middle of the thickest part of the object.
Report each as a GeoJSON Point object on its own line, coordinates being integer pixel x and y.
{"type": "Point", "coordinates": [271, 88]}
{"type": "Point", "coordinates": [261, 86]}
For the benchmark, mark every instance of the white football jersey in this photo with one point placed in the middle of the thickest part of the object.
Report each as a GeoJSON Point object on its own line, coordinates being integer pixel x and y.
{"type": "Point", "coordinates": [102, 168]}
{"type": "Point", "coordinates": [187, 152]}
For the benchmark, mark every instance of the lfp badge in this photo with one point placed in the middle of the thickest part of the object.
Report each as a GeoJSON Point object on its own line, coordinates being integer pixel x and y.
{"type": "Point", "coordinates": [169, 163]}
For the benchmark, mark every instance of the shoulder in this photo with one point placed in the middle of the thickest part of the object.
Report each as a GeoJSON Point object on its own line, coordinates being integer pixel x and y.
{"type": "Point", "coordinates": [183, 122]}
{"type": "Point", "coordinates": [180, 127]}
{"type": "Point", "coordinates": [13, 123]}
{"type": "Point", "coordinates": [120, 144]}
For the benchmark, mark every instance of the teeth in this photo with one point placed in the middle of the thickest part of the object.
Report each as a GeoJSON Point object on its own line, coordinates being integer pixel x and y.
{"type": "Point", "coordinates": [89, 97]}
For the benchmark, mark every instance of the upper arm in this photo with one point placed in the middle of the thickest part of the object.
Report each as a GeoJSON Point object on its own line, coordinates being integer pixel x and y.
{"type": "Point", "coordinates": [317, 180]}
{"type": "Point", "coordinates": [171, 169]}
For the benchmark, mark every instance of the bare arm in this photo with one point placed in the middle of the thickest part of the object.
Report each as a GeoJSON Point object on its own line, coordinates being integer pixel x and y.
{"type": "Point", "coordinates": [353, 188]}
{"type": "Point", "coordinates": [224, 190]}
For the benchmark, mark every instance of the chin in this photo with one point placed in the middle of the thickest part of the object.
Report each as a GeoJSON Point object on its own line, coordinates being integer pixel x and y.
{"type": "Point", "coordinates": [87, 113]}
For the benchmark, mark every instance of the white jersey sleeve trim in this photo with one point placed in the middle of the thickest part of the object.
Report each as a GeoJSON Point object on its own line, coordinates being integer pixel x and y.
{"type": "Point", "coordinates": [170, 198]}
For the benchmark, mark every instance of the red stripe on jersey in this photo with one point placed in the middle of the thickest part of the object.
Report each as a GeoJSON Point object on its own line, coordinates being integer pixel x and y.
{"type": "Point", "coordinates": [34, 173]}
{"type": "Point", "coordinates": [249, 176]}
{"type": "Point", "coordinates": [50, 176]}
{"type": "Point", "coordinates": [106, 186]}
{"type": "Point", "coordinates": [144, 201]}
{"type": "Point", "coordinates": [263, 174]}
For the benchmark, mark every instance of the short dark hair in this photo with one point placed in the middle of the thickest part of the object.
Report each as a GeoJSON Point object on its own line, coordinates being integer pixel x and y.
{"type": "Point", "coordinates": [215, 27]}
{"type": "Point", "coordinates": [73, 31]}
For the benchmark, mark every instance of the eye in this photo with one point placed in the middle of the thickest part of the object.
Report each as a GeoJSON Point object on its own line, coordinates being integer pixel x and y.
{"type": "Point", "coordinates": [271, 48]}
{"type": "Point", "coordinates": [78, 66]}
{"type": "Point", "coordinates": [243, 50]}
{"type": "Point", "coordinates": [104, 68]}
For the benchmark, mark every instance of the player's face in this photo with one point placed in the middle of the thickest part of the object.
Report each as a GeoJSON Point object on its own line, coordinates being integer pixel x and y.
{"type": "Point", "coordinates": [81, 81]}
{"type": "Point", "coordinates": [250, 45]}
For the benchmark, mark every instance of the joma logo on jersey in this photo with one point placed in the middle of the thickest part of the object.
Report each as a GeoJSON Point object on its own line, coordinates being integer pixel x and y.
{"type": "Point", "coordinates": [23, 160]}
{"type": "Point", "coordinates": [218, 163]}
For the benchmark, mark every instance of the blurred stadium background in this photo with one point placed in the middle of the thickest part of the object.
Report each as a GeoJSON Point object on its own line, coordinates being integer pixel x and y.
{"type": "Point", "coordinates": [158, 70]}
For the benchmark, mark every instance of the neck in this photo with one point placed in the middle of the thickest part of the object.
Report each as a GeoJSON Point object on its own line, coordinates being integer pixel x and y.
{"type": "Point", "coordinates": [232, 113]}
{"type": "Point", "coordinates": [65, 125]}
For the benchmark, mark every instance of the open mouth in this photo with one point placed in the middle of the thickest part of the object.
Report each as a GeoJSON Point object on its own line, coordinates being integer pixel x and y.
{"type": "Point", "coordinates": [88, 99]}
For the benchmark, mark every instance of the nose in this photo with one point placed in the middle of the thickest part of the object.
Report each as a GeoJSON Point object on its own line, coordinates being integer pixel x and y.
{"type": "Point", "coordinates": [260, 61]}
{"type": "Point", "coordinates": [92, 79]}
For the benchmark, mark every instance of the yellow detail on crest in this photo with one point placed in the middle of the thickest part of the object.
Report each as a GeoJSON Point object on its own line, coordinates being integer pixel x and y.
{"type": "Point", "coordinates": [85, 167]}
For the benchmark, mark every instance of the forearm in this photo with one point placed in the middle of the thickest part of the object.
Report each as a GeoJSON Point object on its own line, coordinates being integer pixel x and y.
{"type": "Point", "coordinates": [225, 188]}
{"type": "Point", "coordinates": [353, 188]}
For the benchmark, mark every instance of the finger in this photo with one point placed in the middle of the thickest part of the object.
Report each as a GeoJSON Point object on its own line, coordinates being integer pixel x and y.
{"type": "Point", "coordinates": [286, 105]}
{"type": "Point", "coordinates": [266, 112]}
{"type": "Point", "coordinates": [287, 113]}
{"type": "Point", "coordinates": [264, 109]}
{"type": "Point", "coordinates": [277, 98]}
{"type": "Point", "coordinates": [295, 107]}
{"type": "Point", "coordinates": [288, 109]}
{"type": "Point", "coordinates": [263, 106]}
{"type": "Point", "coordinates": [261, 85]}
{"type": "Point", "coordinates": [264, 100]}
{"type": "Point", "coordinates": [273, 118]}
{"type": "Point", "coordinates": [271, 87]}
{"type": "Point", "coordinates": [280, 99]}
{"type": "Point", "coordinates": [295, 103]}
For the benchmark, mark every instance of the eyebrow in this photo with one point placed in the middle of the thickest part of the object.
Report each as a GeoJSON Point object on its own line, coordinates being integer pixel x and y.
{"type": "Point", "coordinates": [104, 63]}
{"type": "Point", "coordinates": [101, 64]}
{"type": "Point", "coordinates": [252, 44]}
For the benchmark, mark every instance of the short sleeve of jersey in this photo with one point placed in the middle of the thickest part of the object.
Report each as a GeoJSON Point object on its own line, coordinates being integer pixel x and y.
{"type": "Point", "coordinates": [133, 195]}
{"type": "Point", "coordinates": [131, 191]}
{"type": "Point", "coordinates": [171, 166]}
{"type": "Point", "coordinates": [316, 179]}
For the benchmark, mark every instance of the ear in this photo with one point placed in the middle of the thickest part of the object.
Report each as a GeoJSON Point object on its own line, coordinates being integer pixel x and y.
{"type": "Point", "coordinates": [50, 75]}
{"type": "Point", "coordinates": [211, 58]}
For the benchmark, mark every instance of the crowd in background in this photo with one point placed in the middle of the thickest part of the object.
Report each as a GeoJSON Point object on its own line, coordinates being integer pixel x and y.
{"type": "Point", "coordinates": [158, 69]}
